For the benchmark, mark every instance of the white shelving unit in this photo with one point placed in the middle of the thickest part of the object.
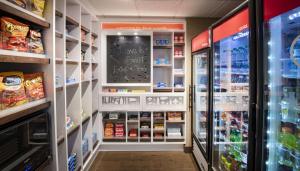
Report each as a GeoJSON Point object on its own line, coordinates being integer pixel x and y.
{"type": "Point", "coordinates": [137, 98]}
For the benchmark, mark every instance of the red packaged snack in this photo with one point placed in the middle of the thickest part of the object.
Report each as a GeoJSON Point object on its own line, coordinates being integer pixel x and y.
{"type": "Point", "coordinates": [12, 92]}
{"type": "Point", "coordinates": [17, 44]}
{"type": "Point", "coordinates": [14, 27]}
{"type": "Point", "coordinates": [34, 86]}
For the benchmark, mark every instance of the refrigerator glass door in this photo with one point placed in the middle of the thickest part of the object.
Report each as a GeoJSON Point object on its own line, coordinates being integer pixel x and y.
{"type": "Point", "coordinates": [230, 102]}
{"type": "Point", "coordinates": [200, 104]}
{"type": "Point", "coordinates": [282, 96]}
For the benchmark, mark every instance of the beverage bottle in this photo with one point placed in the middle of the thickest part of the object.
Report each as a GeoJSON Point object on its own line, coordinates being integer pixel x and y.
{"type": "Point", "coordinates": [288, 104]}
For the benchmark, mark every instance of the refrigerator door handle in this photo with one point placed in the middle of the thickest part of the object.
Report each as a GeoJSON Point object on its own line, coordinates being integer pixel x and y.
{"type": "Point", "coordinates": [190, 97]}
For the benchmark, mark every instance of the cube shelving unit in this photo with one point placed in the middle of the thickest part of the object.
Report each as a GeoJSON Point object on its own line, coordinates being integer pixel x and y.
{"type": "Point", "coordinates": [71, 82]}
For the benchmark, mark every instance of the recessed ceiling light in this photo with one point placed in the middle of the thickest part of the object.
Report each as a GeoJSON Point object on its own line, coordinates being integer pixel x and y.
{"type": "Point", "coordinates": [119, 33]}
{"type": "Point", "coordinates": [135, 33]}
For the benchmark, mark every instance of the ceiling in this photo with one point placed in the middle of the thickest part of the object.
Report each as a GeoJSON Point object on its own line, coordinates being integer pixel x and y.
{"type": "Point", "coordinates": [163, 8]}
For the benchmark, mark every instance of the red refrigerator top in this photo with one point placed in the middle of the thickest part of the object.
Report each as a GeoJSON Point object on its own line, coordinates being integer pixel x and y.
{"type": "Point", "coordinates": [235, 24]}
{"type": "Point", "coordinates": [201, 41]}
{"type": "Point", "coordinates": [273, 8]}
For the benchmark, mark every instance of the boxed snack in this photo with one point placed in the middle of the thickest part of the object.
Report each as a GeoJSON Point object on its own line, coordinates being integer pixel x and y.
{"type": "Point", "coordinates": [35, 42]}
{"type": "Point", "coordinates": [34, 86]}
{"type": "Point", "coordinates": [38, 6]}
{"type": "Point", "coordinates": [12, 91]}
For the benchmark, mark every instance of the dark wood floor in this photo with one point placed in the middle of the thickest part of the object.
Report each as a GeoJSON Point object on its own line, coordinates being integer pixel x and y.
{"type": "Point", "coordinates": [144, 161]}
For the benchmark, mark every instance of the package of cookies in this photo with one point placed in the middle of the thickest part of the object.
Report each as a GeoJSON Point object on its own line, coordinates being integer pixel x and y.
{"type": "Point", "coordinates": [12, 91]}
{"type": "Point", "coordinates": [34, 86]}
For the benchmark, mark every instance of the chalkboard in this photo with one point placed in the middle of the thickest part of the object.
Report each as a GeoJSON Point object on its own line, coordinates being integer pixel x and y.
{"type": "Point", "coordinates": [128, 59]}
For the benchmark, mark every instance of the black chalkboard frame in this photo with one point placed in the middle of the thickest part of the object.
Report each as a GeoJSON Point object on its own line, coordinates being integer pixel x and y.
{"type": "Point", "coordinates": [104, 69]}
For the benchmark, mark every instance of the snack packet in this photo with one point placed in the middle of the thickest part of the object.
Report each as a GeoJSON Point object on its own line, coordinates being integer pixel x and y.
{"type": "Point", "coordinates": [20, 3]}
{"type": "Point", "coordinates": [35, 42]}
{"type": "Point", "coordinates": [13, 27]}
{"type": "Point", "coordinates": [12, 92]}
{"type": "Point", "coordinates": [34, 86]}
{"type": "Point", "coordinates": [38, 6]}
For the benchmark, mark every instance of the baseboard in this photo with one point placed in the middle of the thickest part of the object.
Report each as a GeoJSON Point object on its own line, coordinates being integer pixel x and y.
{"type": "Point", "coordinates": [188, 149]}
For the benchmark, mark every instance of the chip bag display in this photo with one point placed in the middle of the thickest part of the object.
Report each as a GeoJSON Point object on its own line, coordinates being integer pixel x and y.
{"type": "Point", "coordinates": [38, 6]}
{"type": "Point", "coordinates": [12, 91]}
{"type": "Point", "coordinates": [34, 86]}
{"type": "Point", "coordinates": [20, 3]}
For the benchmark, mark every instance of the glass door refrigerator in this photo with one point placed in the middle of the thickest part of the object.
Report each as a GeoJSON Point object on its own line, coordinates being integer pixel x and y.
{"type": "Point", "coordinates": [280, 82]}
{"type": "Point", "coordinates": [201, 126]}
{"type": "Point", "coordinates": [231, 93]}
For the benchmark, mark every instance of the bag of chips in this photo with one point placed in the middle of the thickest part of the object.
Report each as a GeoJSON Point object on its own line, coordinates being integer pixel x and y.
{"type": "Point", "coordinates": [20, 3]}
{"type": "Point", "coordinates": [38, 6]}
{"type": "Point", "coordinates": [35, 42]}
{"type": "Point", "coordinates": [12, 92]}
{"type": "Point", "coordinates": [34, 86]}
{"type": "Point", "coordinates": [13, 27]}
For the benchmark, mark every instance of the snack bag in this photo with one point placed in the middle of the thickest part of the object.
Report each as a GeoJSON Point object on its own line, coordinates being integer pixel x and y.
{"type": "Point", "coordinates": [12, 92]}
{"type": "Point", "coordinates": [20, 3]}
{"type": "Point", "coordinates": [34, 86]}
{"type": "Point", "coordinates": [35, 42]}
{"type": "Point", "coordinates": [38, 6]}
{"type": "Point", "coordinates": [13, 27]}
{"type": "Point", "coordinates": [17, 44]}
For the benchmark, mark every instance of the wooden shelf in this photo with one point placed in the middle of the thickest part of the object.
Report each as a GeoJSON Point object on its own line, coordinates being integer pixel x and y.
{"type": "Point", "coordinates": [179, 89]}
{"type": "Point", "coordinates": [15, 10]}
{"type": "Point", "coordinates": [162, 47]}
{"type": "Point", "coordinates": [175, 121]}
{"type": "Point", "coordinates": [158, 138]}
{"type": "Point", "coordinates": [159, 130]}
{"type": "Point", "coordinates": [94, 47]}
{"type": "Point", "coordinates": [86, 157]}
{"type": "Point", "coordinates": [95, 112]}
{"type": "Point", "coordinates": [59, 61]}
{"type": "Point", "coordinates": [18, 112]}
{"type": "Point", "coordinates": [162, 89]}
{"type": "Point", "coordinates": [179, 44]}
{"type": "Point", "coordinates": [95, 144]}
{"type": "Point", "coordinates": [71, 21]}
{"type": "Point", "coordinates": [60, 140]}
{"type": "Point", "coordinates": [58, 13]}
{"type": "Point", "coordinates": [163, 65]}
{"type": "Point", "coordinates": [132, 138]}
{"type": "Point", "coordinates": [73, 129]}
{"type": "Point", "coordinates": [179, 57]}
{"type": "Point", "coordinates": [175, 138]}
{"type": "Point", "coordinates": [114, 138]}
{"type": "Point", "coordinates": [8, 56]}
{"type": "Point", "coordinates": [85, 29]}
{"type": "Point", "coordinates": [58, 34]}
{"type": "Point", "coordinates": [87, 118]}
{"type": "Point", "coordinates": [71, 39]}
{"type": "Point", "coordinates": [59, 88]}
{"type": "Point", "coordinates": [132, 121]}
{"type": "Point", "coordinates": [72, 84]}
{"type": "Point", "coordinates": [95, 35]}
{"type": "Point", "coordinates": [85, 62]}
{"type": "Point", "coordinates": [85, 44]}
{"type": "Point", "coordinates": [145, 129]}
{"type": "Point", "coordinates": [72, 61]}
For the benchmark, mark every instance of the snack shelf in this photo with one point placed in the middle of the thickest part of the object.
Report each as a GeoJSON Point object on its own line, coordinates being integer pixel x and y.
{"type": "Point", "coordinates": [84, 120]}
{"type": "Point", "coordinates": [71, 21]}
{"type": "Point", "coordinates": [162, 89]}
{"type": "Point", "coordinates": [94, 35]}
{"type": "Point", "coordinates": [71, 39]}
{"type": "Point", "coordinates": [72, 84]}
{"type": "Point", "coordinates": [23, 13]}
{"type": "Point", "coordinates": [59, 61]}
{"type": "Point", "coordinates": [60, 140]}
{"type": "Point", "coordinates": [58, 13]}
{"type": "Point", "coordinates": [85, 44]}
{"type": "Point", "coordinates": [17, 112]}
{"type": "Point", "coordinates": [85, 62]}
{"type": "Point", "coordinates": [179, 44]}
{"type": "Point", "coordinates": [162, 47]}
{"type": "Point", "coordinates": [85, 29]}
{"type": "Point", "coordinates": [179, 89]}
{"type": "Point", "coordinates": [9, 56]}
{"type": "Point", "coordinates": [179, 57]}
{"type": "Point", "coordinates": [58, 34]}
{"type": "Point", "coordinates": [73, 129]}
{"type": "Point", "coordinates": [85, 81]}
{"type": "Point", "coordinates": [163, 65]}
{"type": "Point", "coordinates": [175, 121]}
{"type": "Point", "coordinates": [72, 61]}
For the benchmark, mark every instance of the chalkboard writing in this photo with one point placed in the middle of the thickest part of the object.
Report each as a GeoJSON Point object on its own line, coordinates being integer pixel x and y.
{"type": "Point", "coordinates": [128, 59]}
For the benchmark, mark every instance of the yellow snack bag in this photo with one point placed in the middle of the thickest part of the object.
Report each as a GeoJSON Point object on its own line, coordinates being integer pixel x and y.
{"type": "Point", "coordinates": [38, 6]}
